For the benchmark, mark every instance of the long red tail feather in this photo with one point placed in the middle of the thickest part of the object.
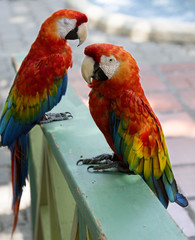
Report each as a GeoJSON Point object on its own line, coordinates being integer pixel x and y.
{"type": "Point", "coordinates": [15, 211]}
{"type": "Point", "coordinates": [19, 172]}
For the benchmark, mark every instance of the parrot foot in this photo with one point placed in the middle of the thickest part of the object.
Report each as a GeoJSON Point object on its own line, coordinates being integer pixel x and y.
{"type": "Point", "coordinates": [50, 117]}
{"type": "Point", "coordinates": [106, 162]}
{"type": "Point", "coordinates": [103, 158]}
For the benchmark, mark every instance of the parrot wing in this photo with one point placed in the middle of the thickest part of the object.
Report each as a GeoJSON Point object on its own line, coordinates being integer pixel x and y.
{"type": "Point", "coordinates": [38, 87]}
{"type": "Point", "coordinates": [138, 138]}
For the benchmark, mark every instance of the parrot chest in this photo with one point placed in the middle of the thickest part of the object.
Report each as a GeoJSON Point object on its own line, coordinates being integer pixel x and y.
{"type": "Point", "coordinates": [100, 108]}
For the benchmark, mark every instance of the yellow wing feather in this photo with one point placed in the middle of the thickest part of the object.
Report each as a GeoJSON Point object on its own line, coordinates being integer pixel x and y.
{"type": "Point", "coordinates": [143, 144]}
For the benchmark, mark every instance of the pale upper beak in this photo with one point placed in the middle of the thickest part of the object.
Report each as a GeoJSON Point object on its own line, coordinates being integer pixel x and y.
{"type": "Point", "coordinates": [82, 33]}
{"type": "Point", "coordinates": [87, 68]}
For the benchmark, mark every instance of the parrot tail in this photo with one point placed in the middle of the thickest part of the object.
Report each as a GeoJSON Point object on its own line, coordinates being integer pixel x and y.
{"type": "Point", "coordinates": [181, 200]}
{"type": "Point", "coordinates": [167, 191]}
{"type": "Point", "coordinates": [19, 172]}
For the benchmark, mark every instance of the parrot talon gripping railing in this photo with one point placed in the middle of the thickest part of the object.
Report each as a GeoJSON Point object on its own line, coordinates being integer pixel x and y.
{"type": "Point", "coordinates": [51, 117]}
{"type": "Point", "coordinates": [70, 203]}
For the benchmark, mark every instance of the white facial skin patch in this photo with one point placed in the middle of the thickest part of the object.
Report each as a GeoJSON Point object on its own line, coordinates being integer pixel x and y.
{"type": "Point", "coordinates": [65, 25]}
{"type": "Point", "coordinates": [109, 65]}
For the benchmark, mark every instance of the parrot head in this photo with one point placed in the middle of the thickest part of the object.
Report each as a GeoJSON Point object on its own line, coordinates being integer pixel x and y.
{"type": "Point", "coordinates": [109, 68]}
{"type": "Point", "coordinates": [65, 24]}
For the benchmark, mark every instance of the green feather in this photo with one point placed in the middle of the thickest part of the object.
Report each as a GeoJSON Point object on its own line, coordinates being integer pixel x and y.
{"type": "Point", "coordinates": [169, 174]}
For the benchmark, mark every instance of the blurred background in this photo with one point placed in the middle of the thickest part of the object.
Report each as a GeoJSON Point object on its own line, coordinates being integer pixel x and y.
{"type": "Point", "coordinates": [155, 10]}
{"type": "Point", "coordinates": [161, 37]}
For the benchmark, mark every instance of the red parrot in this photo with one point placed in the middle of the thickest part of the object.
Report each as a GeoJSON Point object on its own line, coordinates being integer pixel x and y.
{"type": "Point", "coordinates": [38, 86]}
{"type": "Point", "coordinates": [122, 112]}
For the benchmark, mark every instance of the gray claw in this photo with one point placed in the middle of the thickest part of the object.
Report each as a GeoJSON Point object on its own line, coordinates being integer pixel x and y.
{"type": "Point", "coordinates": [90, 168]}
{"type": "Point", "coordinates": [50, 117]}
{"type": "Point", "coordinates": [106, 162]}
{"type": "Point", "coordinates": [79, 161]}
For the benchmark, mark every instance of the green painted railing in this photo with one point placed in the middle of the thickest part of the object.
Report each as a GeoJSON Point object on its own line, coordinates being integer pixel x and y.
{"type": "Point", "coordinates": [68, 202]}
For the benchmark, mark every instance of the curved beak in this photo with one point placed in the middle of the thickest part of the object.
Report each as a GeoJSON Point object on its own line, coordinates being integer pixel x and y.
{"type": "Point", "coordinates": [91, 69]}
{"type": "Point", "coordinates": [78, 33]}
{"type": "Point", "coordinates": [87, 68]}
{"type": "Point", "coordinates": [82, 33]}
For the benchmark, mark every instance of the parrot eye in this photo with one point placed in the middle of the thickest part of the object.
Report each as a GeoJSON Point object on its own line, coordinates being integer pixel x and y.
{"type": "Point", "coordinates": [109, 65]}
{"type": "Point", "coordinates": [66, 21]}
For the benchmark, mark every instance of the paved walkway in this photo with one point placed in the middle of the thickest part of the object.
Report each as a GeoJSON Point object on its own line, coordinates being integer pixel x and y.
{"type": "Point", "coordinates": [167, 73]}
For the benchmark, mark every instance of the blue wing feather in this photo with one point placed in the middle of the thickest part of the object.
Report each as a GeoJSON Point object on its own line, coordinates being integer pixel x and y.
{"type": "Point", "coordinates": [4, 120]}
{"type": "Point", "coordinates": [114, 125]}
{"type": "Point", "coordinates": [181, 200]}
{"type": "Point", "coordinates": [160, 191]}
{"type": "Point", "coordinates": [11, 129]}
{"type": "Point", "coordinates": [64, 85]}
{"type": "Point", "coordinates": [44, 107]}
{"type": "Point", "coordinates": [170, 188]}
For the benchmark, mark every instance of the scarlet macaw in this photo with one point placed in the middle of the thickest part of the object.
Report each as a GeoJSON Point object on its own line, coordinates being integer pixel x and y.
{"type": "Point", "coordinates": [38, 86]}
{"type": "Point", "coordinates": [120, 109]}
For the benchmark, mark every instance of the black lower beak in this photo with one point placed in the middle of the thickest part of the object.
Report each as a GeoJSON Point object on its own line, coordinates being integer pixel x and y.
{"type": "Point", "coordinates": [72, 35]}
{"type": "Point", "coordinates": [98, 73]}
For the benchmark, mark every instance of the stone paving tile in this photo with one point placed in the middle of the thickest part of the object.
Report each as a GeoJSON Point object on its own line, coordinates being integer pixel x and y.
{"type": "Point", "coordinates": [185, 178]}
{"type": "Point", "coordinates": [182, 80]}
{"type": "Point", "coordinates": [182, 219]}
{"type": "Point", "coordinates": [5, 155]}
{"type": "Point", "coordinates": [188, 97]}
{"type": "Point", "coordinates": [146, 69]}
{"type": "Point", "coordinates": [43, 8]}
{"type": "Point", "coordinates": [6, 217]}
{"type": "Point", "coordinates": [5, 175]}
{"type": "Point", "coordinates": [177, 124]}
{"type": "Point", "coordinates": [20, 234]}
{"type": "Point", "coordinates": [151, 82]}
{"type": "Point", "coordinates": [13, 46]}
{"type": "Point", "coordinates": [192, 205]}
{"type": "Point", "coordinates": [165, 101]}
{"type": "Point", "coordinates": [181, 150]}
{"type": "Point", "coordinates": [8, 35]}
{"type": "Point", "coordinates": [177, 67]}
{"type": "Point", "coordinates": [5, 11]}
